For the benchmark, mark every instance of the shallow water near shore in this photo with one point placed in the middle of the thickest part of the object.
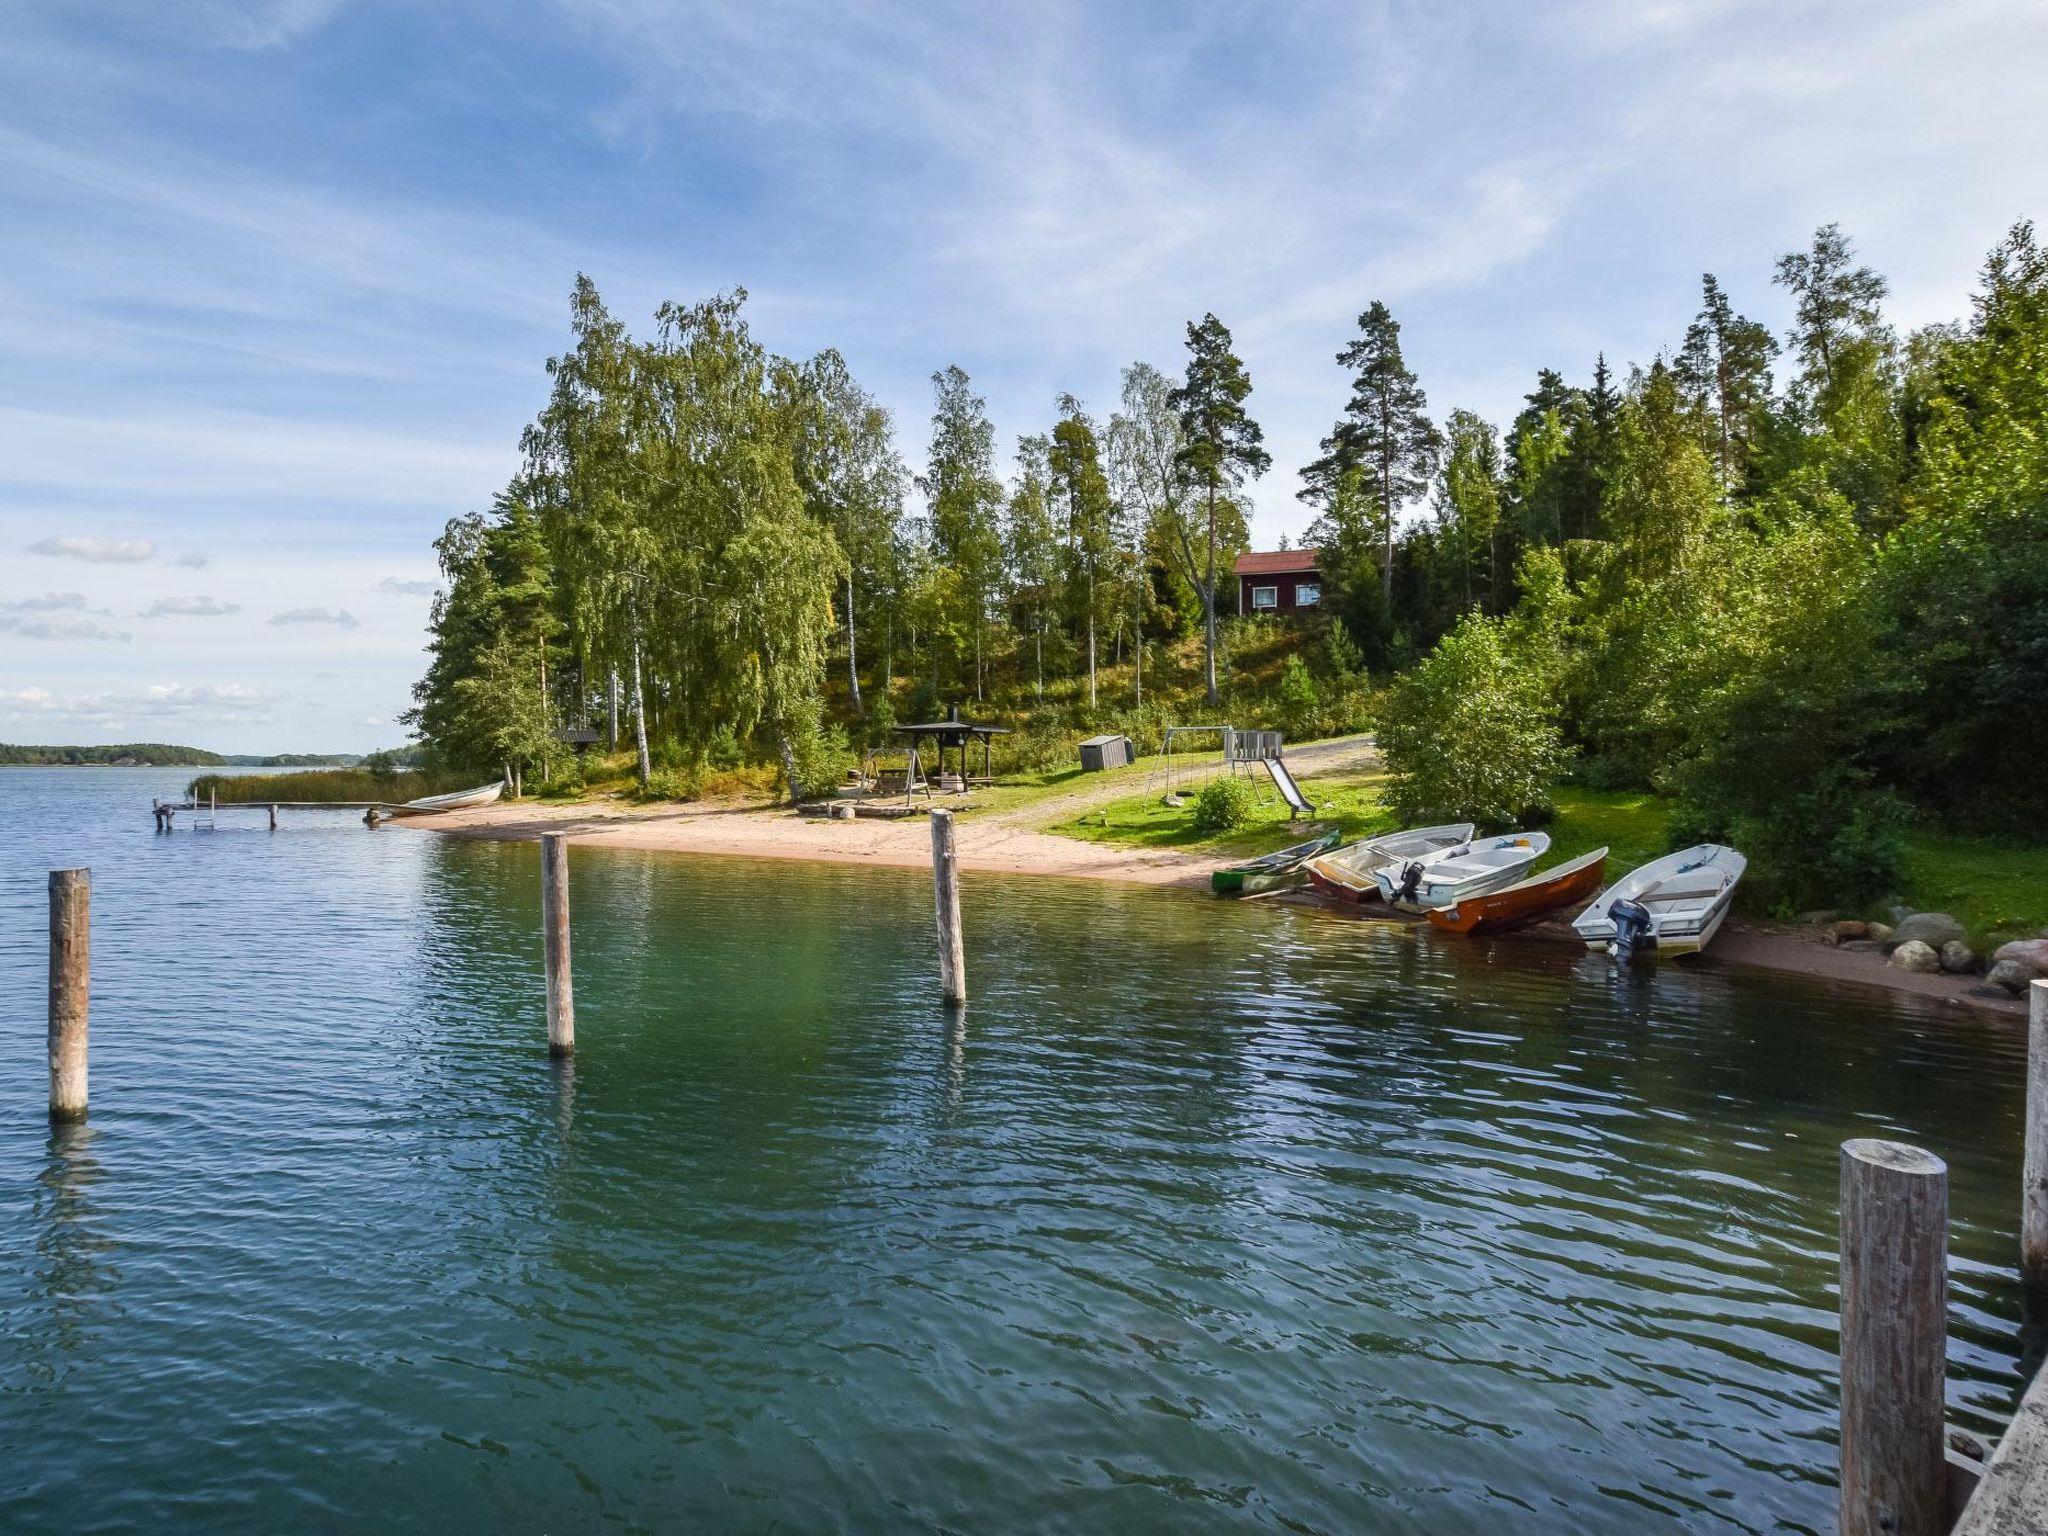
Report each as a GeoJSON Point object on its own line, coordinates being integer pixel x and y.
{"type": "Point", "coordinates": [1203, 1217]}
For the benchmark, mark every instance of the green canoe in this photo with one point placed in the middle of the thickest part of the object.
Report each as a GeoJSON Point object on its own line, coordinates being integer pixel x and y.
{"type": "Point", "coordinates": [1275, 871]}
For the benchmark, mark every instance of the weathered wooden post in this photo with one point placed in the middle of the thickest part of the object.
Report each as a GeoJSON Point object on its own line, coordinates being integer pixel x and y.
{"type": "Point", "coordinates": [1894, 1339]}
{"type": "Point", "coordinates": [2034, 1198]}
{"type": "Point", "coordinates": [554, 901]}
{"type": "Point", "coordinates": [273, 817]}
{"type": "Point", "coordinates": [70, 985]}
{"type": "Point", "coordinates": [946, 900]}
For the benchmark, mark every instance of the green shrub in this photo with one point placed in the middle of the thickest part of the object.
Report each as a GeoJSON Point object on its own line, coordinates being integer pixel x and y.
{"type": "Point", "coordinates": [1469, 734]}
{"type": "Point", "coordinates": [669, 784]}
{"type": "Point", "coordinates": [1225, 804]}
{"type": "Point", "coordinates": [1299, 697]}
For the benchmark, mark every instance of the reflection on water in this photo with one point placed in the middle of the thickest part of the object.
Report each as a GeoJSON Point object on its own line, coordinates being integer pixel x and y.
{"type": "Point", "coordinates": [1201, 1217]}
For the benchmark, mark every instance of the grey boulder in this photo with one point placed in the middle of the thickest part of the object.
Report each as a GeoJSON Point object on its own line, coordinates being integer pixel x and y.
{"type": "Point", "coordinates": [1933, 929]}
{"type": "Point", "coordinates": [1916, 956]}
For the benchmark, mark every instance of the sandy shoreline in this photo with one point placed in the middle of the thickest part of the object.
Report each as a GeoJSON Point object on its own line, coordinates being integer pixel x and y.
{"type": "Point", "coordinates": [1014, 842]}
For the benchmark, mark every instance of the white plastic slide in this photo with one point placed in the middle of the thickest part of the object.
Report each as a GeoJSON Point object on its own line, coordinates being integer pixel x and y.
{"type": "Point", "coordinates": [1290, 791]}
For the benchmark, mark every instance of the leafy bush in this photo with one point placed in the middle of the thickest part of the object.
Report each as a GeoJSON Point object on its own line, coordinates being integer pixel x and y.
{"type": "Point", "coordinates": [669, 784]}
{"type": "Point", "coordinates": [1299, 697]}
{"type": "Point", "coordinates": [1469, 734]}
{"type": "Point", "coordinates": [1224, 804]}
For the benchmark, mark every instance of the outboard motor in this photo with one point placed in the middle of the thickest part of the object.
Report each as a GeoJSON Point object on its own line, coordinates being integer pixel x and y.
{"type": "Point", "coordinates": [1633, 930]}
{"type": "Point", "coordinates": [1411, 881]}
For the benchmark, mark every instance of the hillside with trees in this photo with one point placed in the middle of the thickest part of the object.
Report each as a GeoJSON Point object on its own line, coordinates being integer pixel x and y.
{"type": "Point", "coordinates": [1797, 583]}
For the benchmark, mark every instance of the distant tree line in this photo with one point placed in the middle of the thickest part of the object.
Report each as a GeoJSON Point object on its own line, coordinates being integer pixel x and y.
{"type": "Point", "coordinates": [1797, 581]}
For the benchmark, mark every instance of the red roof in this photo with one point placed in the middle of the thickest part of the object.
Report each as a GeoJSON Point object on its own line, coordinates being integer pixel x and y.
{"type": "Point", "coordinates": [1277, 562]}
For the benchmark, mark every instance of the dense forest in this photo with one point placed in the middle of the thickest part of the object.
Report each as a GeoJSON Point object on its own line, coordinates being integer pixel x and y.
{"type": "Point", "coordinates": [155, 753]}
{"type": "Point", "coordinates": [1798, 582]}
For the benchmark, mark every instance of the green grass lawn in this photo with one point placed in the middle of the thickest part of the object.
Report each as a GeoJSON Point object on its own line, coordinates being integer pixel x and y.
{"type": "Point", "coordinates": [1997, 890]}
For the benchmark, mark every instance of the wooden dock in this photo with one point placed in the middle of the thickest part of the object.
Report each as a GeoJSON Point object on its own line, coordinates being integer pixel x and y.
{"type": "Point", "coordinates": [205, 813]}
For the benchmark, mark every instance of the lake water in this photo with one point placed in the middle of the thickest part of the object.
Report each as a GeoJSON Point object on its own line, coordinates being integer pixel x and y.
{"type": "Point", "coordinates": [1205, 1218]}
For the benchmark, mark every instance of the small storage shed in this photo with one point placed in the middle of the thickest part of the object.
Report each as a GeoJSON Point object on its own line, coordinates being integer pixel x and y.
{"type": "Point", "coordinates": [1100, 752]}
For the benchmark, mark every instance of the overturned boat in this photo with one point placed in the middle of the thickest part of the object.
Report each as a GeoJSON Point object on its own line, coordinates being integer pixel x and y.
{"type": "Point", "coordinates": [457, 800]}
{"type": "Point", "coordinates": [1671, 906]}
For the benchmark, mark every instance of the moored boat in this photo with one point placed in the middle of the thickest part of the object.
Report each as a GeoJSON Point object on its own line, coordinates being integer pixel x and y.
{"type": "Point", "coordinates": [458, 800]}
{"type": "Point", "coordinates": [1671, 906]}
{"type": "Point", "coordinates": [1346, 873]}
{"type": "Point", "coordinates": [1526, 901]}
{"type": "Point", "coordinates": [1273, 872]}
{"type": "Point", "coordinates": [1465, 869]}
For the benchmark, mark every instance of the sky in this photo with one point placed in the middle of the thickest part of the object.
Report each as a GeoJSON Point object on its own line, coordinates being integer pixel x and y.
{"type": "Point", "coordinates": [279, 278]}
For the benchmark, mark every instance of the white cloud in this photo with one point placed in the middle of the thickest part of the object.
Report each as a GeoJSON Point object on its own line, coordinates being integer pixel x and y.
{"type": "Point", "coordinates": [159, 701]}
{"type": "Point", "coordinates": [399, 587]}
{"type": "Point", "coordinates": [60, 627]}
{"type": "Point", "coordinates": [192, 560]}
{"type": "Point", "coordinates": [340, 618]}
{"type": "Point", "coordinates": [49, 602]}
{"type": "Point", "coordinates": [190, 608]}
{"type": "Point", "coordinates": [99, 551]}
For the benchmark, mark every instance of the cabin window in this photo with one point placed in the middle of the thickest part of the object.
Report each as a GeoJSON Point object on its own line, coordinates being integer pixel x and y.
{"type": "Point", "coordinates": [1265, 597]}
{"type": "Point", "coordinates": [1307, 594]}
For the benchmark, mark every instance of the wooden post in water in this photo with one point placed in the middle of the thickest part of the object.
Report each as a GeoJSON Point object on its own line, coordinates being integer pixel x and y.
{"type": "Point", "coordinates": [554, 901]}
{"type": "Point", "coordinates": [273, 818]}
{"type": "Point", "coordinates": [70, 984]}
{"type": "Point", "coordinates": [946, 900]}
{"type": "Point", "coordinates": [1894, 1339]}
{"type": "Point", "coordinates": [2034, 1198]}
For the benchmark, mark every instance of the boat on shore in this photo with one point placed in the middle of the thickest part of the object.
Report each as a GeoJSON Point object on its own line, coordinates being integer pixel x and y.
{"type": "Point", "coordinates": [1671, 906]}
{"type": "Point", "coordinates": [1465, 869]}
{"type": "Point", "coordinates": [456, 800]}
{"type": "Point", "coordinates": [1275, 871]}
{"type": "Point", "coordinates": [1346, 873]}
{"type": "Point", "coordinates": [1526, 901]}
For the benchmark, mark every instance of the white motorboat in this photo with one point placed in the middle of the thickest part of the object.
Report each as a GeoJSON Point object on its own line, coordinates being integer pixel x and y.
{"type": "Point", "coordinates": [1346, 873]}
{"type": "Point", "coordinates": [1671, 906]}
{"type": "Point", "coordinates": [1465, 869]}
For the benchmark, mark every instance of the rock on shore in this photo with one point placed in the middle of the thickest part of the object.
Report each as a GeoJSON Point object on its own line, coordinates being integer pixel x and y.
{"type": "Point", "coordinates": [1914, 955]}
{"type": "Point", "coordinates": [2016, 964]}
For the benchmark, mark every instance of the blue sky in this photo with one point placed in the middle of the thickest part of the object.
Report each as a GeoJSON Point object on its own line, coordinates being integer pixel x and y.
{"type": "Point", "coordinates": [278, 277]}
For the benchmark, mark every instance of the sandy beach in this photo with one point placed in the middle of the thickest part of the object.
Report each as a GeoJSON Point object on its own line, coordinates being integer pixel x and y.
{"type": "Point", "coordinates": [1016, 842]}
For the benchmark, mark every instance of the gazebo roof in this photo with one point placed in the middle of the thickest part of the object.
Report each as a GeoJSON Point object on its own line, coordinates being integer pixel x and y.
{"type": "Point", "coordinates": [952, 728]}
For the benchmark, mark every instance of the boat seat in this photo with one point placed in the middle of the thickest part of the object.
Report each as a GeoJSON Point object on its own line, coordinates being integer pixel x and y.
{"type": "Point", "coordinates": [1693, 885]}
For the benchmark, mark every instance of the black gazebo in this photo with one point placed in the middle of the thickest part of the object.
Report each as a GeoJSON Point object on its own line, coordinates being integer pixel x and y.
{"type": "Point", "coordinates": [955, 733]}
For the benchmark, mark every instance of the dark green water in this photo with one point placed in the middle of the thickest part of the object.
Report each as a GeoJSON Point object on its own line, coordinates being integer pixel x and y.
{"type": "Point", "coordinates": [1205, 1218]}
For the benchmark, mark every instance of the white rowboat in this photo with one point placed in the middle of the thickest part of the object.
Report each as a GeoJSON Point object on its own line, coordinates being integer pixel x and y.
{"type": "Point", "coordinates": [458, 800]}
{"type": "Point", "coordinates": [1465, 869]}
{"type": "Point", "coordinates": [1672, 906]}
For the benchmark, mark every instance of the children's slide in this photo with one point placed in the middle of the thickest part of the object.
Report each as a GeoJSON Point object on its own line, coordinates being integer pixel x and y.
{"type": "Point", "coordinates": [1290, 791]}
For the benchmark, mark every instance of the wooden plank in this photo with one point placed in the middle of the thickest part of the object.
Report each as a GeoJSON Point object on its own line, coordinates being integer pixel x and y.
{"type": "Point", "coordinates": [946, 904]}
{"type": "Point", "coordinates": [1894, 1340]}
{"type": "Point", "coordinates": [2012, 1496]}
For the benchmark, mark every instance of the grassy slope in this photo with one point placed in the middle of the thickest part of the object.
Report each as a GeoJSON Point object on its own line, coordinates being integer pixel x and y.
{"type": "Point", "coordinates": [1997, 891]}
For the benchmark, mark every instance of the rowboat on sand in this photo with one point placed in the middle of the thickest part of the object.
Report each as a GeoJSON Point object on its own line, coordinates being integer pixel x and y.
{"type": "Point", "coordinates": [1526, 901]}
{"type": "Point", "coordinates": [1467, 869]}
{"type": "Point", "coordinates": [458, 800]}
{"type": "Point", "coordinates": [1346, 873]}
{"type": "Point", "coordinates": [1274, 872]}
{"type": "Point", "coordinates": [1672, 906]}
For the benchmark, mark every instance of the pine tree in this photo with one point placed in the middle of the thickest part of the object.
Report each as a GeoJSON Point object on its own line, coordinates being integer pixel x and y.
{"type": "Point", "coordinates": [1081, 491]}
{"type": "Point", "coordinates": [1385, 439]}
{"type": "Point", "coordinates": [1724, 372]}
{"type": "Point", "coordinates": [1222, 448]}
{"type": "Point", "coordinates": [1031, 543]}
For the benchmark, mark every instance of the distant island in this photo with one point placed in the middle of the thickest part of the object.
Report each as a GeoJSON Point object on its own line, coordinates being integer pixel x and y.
{"type": "Point", "coordinates": [152, 754]}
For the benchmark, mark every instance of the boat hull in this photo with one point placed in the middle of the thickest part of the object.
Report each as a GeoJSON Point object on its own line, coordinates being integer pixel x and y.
{"type": "Point", "coordinates": [1255, 875]}
{"type": "Point", "coordinates": [1519, 905]}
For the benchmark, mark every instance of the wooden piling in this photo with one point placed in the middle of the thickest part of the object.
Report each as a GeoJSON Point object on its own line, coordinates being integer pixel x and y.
{"type": "Point", "coordinates": [946, 901]}
{"type": "Point", "coordinates": [273, 818]}
{"type": "Point", "coordinates": [1894, 1339]}
{"type": "Point", "coordinates": [2034, 1198]}
{"type": "Point", "coordinates": [554, 901]}
{"type": "Point", "coordinates": [70, 985]}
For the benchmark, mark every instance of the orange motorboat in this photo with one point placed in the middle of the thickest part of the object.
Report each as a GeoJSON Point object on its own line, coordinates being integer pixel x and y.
{"type": "Point", "coordinates": [1576, 880]}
